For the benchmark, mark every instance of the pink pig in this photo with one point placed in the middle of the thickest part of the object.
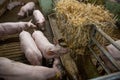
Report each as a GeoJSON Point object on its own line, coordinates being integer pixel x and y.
{"type": "Point", "coordinates": [39, 19]}
{"type": "Point", "coordinates": [12, 5]}
{"type": "Point", "coordinates": [30, 49]}
{"type": "Point", "coordinates": [115, 53]}
{"type": "Point", "coordinates": [9, 28]}
{"type": "Point", "coordinates": [26, 9]}
{"type": "Point", "coordinates": [48, 50]}
{"type": "Point", "coordinates": [11, 70]}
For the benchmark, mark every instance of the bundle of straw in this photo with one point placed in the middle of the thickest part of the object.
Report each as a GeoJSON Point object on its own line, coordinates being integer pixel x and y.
{"type": "Point", "coordinates": [74, 18]}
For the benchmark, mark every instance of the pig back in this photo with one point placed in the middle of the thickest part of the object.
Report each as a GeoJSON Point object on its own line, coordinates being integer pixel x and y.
{"type": "Point", "coordinates": [30, 49]}
{"type": "Point", "coordinates": [114, 51]}
{"type": "Point", "coordinates": [11, 70]}
{"type": "Point", "coordinates": [9, 28]}
{"type": "Point", "coordinates": [26, 40]}
{"type": "Point", "coordinates": [38, 16]}
{"type": "Point", "coordinates": [29, 6]}
{"type": "Point", "coordinates": [41, 41]}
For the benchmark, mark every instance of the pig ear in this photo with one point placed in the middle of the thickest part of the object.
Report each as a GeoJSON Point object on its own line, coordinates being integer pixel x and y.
{"type": "Point", "coordinates": [50, 53]}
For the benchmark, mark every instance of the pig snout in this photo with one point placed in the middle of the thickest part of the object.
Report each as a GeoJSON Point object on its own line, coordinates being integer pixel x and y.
{"type": "Point", "coordinates": [57, 51]}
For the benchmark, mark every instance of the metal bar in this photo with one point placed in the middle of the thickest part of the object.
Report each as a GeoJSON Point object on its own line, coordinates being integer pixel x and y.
{"type": "Point", "coordinates": [108, 38]}
{"type": "Point", "coordinates": [106, 54]}
{"type": "Point", "coordinates": [99, 60]}
{"type": "Point", "coordinates": [113, 76]}
{"type": "Point", "coordinates": [56, 32]}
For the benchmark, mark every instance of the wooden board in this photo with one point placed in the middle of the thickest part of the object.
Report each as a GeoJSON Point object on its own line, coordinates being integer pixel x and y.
{"type": "Point", "coordinates": [10, 48]}
{"type": "Point", "coordinates": [67, 61]}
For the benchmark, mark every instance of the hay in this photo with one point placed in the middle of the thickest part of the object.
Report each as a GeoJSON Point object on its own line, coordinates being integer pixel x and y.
{"type": "Point", "coordinates": [74, 18]}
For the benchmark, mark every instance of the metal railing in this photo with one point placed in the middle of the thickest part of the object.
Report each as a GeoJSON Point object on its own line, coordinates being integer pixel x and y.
{"type": "Point", "coordinates": [102, 49]}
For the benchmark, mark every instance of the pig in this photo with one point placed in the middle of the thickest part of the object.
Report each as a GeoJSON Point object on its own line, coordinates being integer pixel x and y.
{"type": "Point", "coordinates": [12, 5]}
{"type": "Point", "coordinates": [39, 19]}
{"type": "Point", "coordinates": [26, 9]}
{"type": "Point", "coordinates": [10, 28]}
{"type": "Point", "coordinates": [114, 51]}
{"type": "Point", "coordinates": [12, 70]}
{"type": "Point", "coordinates": [48, 49]}
{"type": "Point", "coordinates": [30, 49]}
{"type": "Point", "coordinates": [116, 55]}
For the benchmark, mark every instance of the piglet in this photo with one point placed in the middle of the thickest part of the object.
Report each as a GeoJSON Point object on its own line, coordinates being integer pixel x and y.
{"type": "Point", "coordinates": [11, 70]}
{"type": "Point", "coordinates": [10, 28]}
{"type": "Point", "coordinates": [48, 49]}
{"type": "Point", "coordinates": [39, 19]}
{"type": "Point", "coordinates": [26, 9]}
{"type": "Point", "coordinates": [12, 5]}
{"type": "Point", "coordinates": [116, 55]}
{"type": "Point", "coordinates": [30, 49]}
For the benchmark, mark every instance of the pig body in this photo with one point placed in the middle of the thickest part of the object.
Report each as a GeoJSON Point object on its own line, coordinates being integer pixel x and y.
{"type": "Point", "coordinates": [48, 50]}
{"type": "Point", "coordinates": [114, 51]}
{"type": "Point", "coordinates": [39, 19]}
{"type": "Point", "coordinates": [9, 28]}
{"type": "Point", "coordinates": [12, 5]}
{"type": "Point", "coordinates": [30, 49]}
{"type": "Point", "coordinates": [116, 55]}
{"type": "Point", "coordinates": [11, 70]}
{"type": "Point", "coordinates": [26, 9]}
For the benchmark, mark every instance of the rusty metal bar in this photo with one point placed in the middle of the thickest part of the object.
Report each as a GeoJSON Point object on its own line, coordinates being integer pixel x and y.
{"type": "Point", "coordinates": [112, 60]}
{"type": "Point", "coordinates": [104, 67]}
{"type": "Point", "coordinates": [108, 38]}
{"type": "Point", "coordinates": [105, 52]}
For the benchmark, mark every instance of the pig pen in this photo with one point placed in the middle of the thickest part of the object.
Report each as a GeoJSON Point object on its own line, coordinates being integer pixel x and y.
{"type": "Point", "coordinates": [10, 45]}
{"type": "Point", "coordinates": [75, 70]}
{"type": "Point", "coordinates": [83, 67]}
